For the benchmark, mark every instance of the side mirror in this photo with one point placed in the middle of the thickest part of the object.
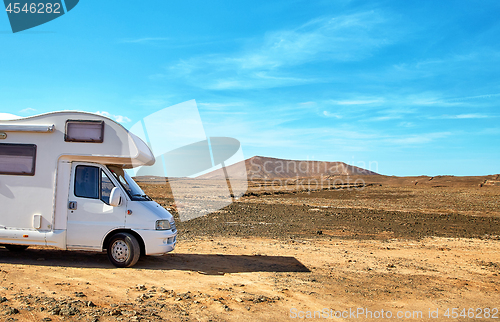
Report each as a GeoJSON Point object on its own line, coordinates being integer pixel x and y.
{"type": "Point", "coordinates": [115, 197]}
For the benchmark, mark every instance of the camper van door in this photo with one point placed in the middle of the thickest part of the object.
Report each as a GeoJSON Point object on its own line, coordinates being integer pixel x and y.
{"type": "Point", "coordinates": [90, 217]}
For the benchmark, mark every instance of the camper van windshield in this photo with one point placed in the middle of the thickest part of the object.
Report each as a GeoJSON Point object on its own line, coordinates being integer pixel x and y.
{"type": "Point", "coordinates": [134, 191]}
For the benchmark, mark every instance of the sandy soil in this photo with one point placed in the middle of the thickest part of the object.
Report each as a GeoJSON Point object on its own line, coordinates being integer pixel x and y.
{"type": "Point", "coordinates": [270, 257]}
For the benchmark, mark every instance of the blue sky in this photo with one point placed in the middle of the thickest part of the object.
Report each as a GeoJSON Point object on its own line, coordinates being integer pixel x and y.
{"type": "Point", "coordinates": [413, 87]}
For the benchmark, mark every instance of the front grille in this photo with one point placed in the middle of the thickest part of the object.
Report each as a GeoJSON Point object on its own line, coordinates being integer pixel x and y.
{"type": "Point", "coordinates": [172, 226]}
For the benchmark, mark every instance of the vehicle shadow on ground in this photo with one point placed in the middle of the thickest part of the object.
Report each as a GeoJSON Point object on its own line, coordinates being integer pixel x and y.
{"type": "Point", "coordinates": [208, 264]}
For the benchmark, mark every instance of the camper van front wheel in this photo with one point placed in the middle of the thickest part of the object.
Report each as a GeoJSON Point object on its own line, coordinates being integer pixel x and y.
{"type": "Point", "coordinates": [124, 250]}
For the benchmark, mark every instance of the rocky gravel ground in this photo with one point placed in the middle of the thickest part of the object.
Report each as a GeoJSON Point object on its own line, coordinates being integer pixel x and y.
{"type": "Point", "coordinates": [387, 246]}
{"type": "Point", "coordinates": [144, 303]}
{"type": "Point", "coordinates": [283, 220]}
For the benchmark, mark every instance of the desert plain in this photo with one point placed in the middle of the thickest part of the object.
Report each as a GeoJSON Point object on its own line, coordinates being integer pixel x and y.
{"type": "Point", "coordinates": [409, 248]}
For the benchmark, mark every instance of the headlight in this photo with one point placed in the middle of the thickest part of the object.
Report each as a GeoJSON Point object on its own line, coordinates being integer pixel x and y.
{"type": "Point", "coordinates": [162, 225]}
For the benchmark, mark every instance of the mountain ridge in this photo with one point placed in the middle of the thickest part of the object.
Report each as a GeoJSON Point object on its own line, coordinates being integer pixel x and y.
{"type": "Point", "coordinates": [268, 168]}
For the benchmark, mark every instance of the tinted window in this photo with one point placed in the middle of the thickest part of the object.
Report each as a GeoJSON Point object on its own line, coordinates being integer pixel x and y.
{"type": "Point", "coordinates": [106, 187]}
{"type": "Point", "coordinates": [92, 182]}
{"type": "Point", "coordinates": [17, 159]}
{"type": "Point", "coordinates": [84, 131]}
{"type": "Point", "coordinates": [87, 182]}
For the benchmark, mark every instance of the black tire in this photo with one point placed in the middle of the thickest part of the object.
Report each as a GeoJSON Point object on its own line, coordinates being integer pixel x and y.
{"type": "Point", "coordinates": [16, 248]}
{"type": "Point", "coordinates": [123, 250]}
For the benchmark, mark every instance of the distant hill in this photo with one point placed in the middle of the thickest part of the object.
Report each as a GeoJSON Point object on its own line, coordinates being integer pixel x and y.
{"type": "Point", "coordinates": [259, 167]}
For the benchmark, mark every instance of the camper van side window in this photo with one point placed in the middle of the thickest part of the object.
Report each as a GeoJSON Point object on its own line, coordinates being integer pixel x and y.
{"type": "Point", "coordinates": [87, 182]}
{"type": "Point", "coordinates": [17, 159]}
{"type": "Point", "coordinates": [89, 131]}
{"type": "Point", "coordinates": [106, 187]}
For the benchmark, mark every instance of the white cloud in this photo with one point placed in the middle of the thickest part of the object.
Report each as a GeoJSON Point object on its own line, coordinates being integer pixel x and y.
{"type": "Point", "coordinates": [475, 97]}
{"type": "Point", "coordinates": [328, 114]}
{"type": "Point", "coordinates": [417, 138]}
{"type": "Point", "coordinates": [265, 63]}
{"type": "Point", "coordinates": [342, 38]}
{"type": "Point", "coordinates": [255, 80]}
{"type": "Point", "coordinates": [385, 118]}
{"type": "Point", "coordinates": [117, 118]}
{"type": "Point", "coordinates": [440, 100]}
{"type": "Point", "coordinates": [27, 110]}
{"type": "Point", "coordinates": [8, 116]}
{"type": "Point", "coordinates": [121, 119]}
{"type": "Point", "coordinates": [471, 116]}
{"type": "Point", "coordinates": [463, 116]}
{"type": "Point", "coordinates": [260, 131]}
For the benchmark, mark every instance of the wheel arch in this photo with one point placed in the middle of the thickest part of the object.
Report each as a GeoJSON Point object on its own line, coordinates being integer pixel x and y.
{"type": "Point", "coordinates": [105, 243]}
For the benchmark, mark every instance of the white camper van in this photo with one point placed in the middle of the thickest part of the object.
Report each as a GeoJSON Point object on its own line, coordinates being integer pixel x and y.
{"type": "Point", "coordinates": [63, 184]}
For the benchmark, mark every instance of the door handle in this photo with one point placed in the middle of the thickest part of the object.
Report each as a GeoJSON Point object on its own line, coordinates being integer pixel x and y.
{"type": "Point", "coordinates": [72, 205]}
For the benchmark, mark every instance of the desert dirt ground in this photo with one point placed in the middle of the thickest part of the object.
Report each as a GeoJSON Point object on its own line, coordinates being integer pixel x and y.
{"type": "Point", "coordinates": [279, 254]}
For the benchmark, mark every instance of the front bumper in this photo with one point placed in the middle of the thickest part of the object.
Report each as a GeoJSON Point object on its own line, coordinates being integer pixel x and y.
{"type": "Point", "coordinates": [158, 242]}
